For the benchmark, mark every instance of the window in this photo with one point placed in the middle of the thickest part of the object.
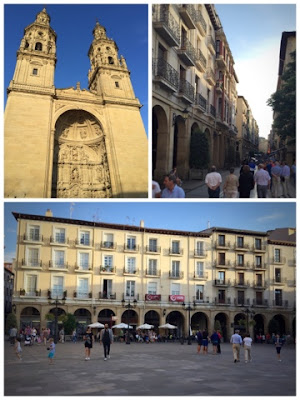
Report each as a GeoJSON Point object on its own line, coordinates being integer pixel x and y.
{"type": "Point", "coordinates": [221, 277]}
{"type": "Point", "coordinates": [110, 60]}
{"type": "Point", "coordinates": [117, 84]}
{"type": "Point", "coordinates": [259, 298]}
{"type": "Point", "coordinates": [131, 265]}
{"type": "Point", "coordinates": [241, 297]}
{"type": "Point", "coordinates": [240, 242]}
{"type": "Point", "coordinates": [38, 46]}
{"type": "Point", "coordinates": [153, 245]}
{"type": "Point", "coordinates": [200, 248]}
{"type": "Point", "coordinates": [34, 71]}
{"type": "Point", "coordinates": [60, 235]}
{"type": "Point", "coordinates": [175, 247]}
{"type": "Point", "coordinates": [258, 261]}
{"type": "Point", "coordinates": [175, 288]}
{"type": "Point", "coordinates": [84, 238]}
{"type": "Point", "coordinates": [258, 279]}
{"type": "Point", "coordinates": [57, 286]}
{"type": "Point", "coordinates": [107, 288]}
{"type": "Point", "coordinates": [33, 257]}
{"type": "Point", "coordinates": [34, 232]}
{"type": "Point", "coordinates": [241, 278]}
{"type": "Point", "coordinates": [152, 288]}
{"type": "Point", "coordinates": [131, 242]}
{"type": "Point", "coordinates": [84, 261]}
{"type": "Point", "coordinates": [277, 255]}
{"type": "Point", "coordinates": [31, 285]}
{"type": "Point", "coordinates": [108, 262]}
{"type": "Point", "coordinates": [199, 292]}
{"type": "Point", "coordinates": [175, 269]}
{"type": "Point", "coordinates": [59, 258]}
{"type": "Point", "coordinates": [221, 296]}
{"type": "Point", "coordinates": [258, 244]}
{"type": "Point", "coordinates": [83, 288]}
{"type": "Point", "coordinates": [130, 289]}
{"type": "Point", "coordinates": [221, 240]}
{"type": "Point", "coordinates": [152, 268]}
{"type": "Point", "coordinates": [221, 257]}
{"type": "Point", "coordinates": [278, 297]}
{"type": "Point", "coordinates": [277, 275]}
{"type": "Point", "coordinates": [199, 269]}
{"type": "Point", "coordinates": [240, 259]}
{"type": "Point", "coordinates": [108, 240]}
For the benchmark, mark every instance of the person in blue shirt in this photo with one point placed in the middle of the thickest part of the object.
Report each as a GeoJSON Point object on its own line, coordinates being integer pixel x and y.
{"type": "Point", "coordinates": [51, 349]}
{"type": "Point", "coordinates": [278, 344]}
{"type": "Point", "coordinates": [214, 340]}
{"type": "Point", "coordinates": [172, 190]}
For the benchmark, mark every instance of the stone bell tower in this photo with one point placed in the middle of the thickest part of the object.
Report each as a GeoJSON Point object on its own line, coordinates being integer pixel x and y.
{"type": "Point", "coordinates": [27, 114]}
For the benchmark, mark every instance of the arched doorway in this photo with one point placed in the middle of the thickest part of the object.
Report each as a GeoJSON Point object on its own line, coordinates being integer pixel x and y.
{"type": "Point", "coordinates": [105, 316]}
{"type": "Point", "coordinates": [160, 143]}
{"type": "Point", "coordinates": [222, 319]}
{"type": "Point", "coordinates": [176, 318]}
{"type": "Point", "coordinates": [240, 322]}
{"type": "Point", "coordinates": [259, 327]}
{"type": "Point", "coordinates": [277, 325]}
{"type": "Point", "coordinates": [80, 166]}
{"type": "Point", "coordinates": [199, 322]}
{"type": "Point", "coordinates": [152, 318]}
{"type": "Point", "coordinates": [130, 317]}
{"type": "Point", "coordinates": [30, 316]}
{"type": "Point", "coordinates": [83, 318]}
{"type": "Point", "coordinates": [180, 147]}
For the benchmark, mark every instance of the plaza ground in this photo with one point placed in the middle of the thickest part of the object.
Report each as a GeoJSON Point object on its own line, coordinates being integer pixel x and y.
{"type": "Point", "coordinates": [155, 369]}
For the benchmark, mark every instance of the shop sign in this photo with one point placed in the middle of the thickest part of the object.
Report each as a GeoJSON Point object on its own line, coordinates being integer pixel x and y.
{"type": "Point", "coordinates": [152, 297]}
{"type": "Point", "coordinates": [176, 297]}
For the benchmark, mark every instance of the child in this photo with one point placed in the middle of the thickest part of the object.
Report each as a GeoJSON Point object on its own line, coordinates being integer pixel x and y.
{"type": "Point", "coordinates": [52, 351]}
{"type": "Point", "coordinates": [18, 348]}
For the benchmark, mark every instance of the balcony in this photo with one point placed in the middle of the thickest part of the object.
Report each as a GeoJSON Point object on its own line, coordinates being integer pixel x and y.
{"type": "Point", "coordinates": [222, 245]}
{"type": "Point", "coordinates": [210, 76]}
{"type": "Point", "coordinates": [107, 296]}
{"type": "Point", "coordinates": [278, 260]}
{"type": "Point", "coordinates": [259, 267]}
{"type": "Point", "coordinates": [84, 268]}
{"type": "Point", "coordinates": [220, 61]}
{"type": "Point", "coordinates": [166, 26]}
{"type": "Point", "coordinates": [201, 277]}
{"type": "Point", "coordinates": [222, 282]}
{"type": "Point", "coordinates": [33, 238]}
{"type": "Point", "coordinates": [57, 293]}
{"type": "Point", "coordinates": [259, 285]}
{"type": "Point", "coordinates": [211, 44]}
{"type": "Point", "coordinates": [260, 303]}
{"type": "Point", "coordinates": [186, 91]}
{"type": "Point", "coordinates": [222, 264]}
{"type": "Point", "coordinates": [59, 241]}
{"type": "Point", "coordinates": [241, 284]}
{"type": "Point", "coordinates": [31, 264]}
{"type": "Point", "coordinates": [223, 301]}
{"type": "Point", "coordinates": [106, 269]}
{"type": "Point", "coordinates": [219, 87]}
{"type": "Point", "coordinates": [152, 272]}
{"type": "Point", "coordinates": [198, 301]}
{"type": "Point", "coordinates": [108, 245]}
{"type": "Point", "coordinates": [130, 271]}
{"type": "Point", "coordinates": [187, 53]}
{"type": "Point", "coordinates": [200, 23]}
{"type": "Point", "coordinates": [259, 249]}
{"type": "Point", "coordinates": [212, 111]}
{"type": "Point", "coordinates": [153, 249]}
{"type": "Point", "coordinates": [188, 15]}
{"type": "Point", "coordinates": [278, 281]}
{"type": "Point", "coordinates": [33, 293]}
{"type": "Point", "coordinates": [200, 60]}
{"type": "Point", "coordinates": [244, 265]}
{"type": "Point", "coordinates": [175, 252]}
{"type": "Point", "coordinates": [165, 75]}
{"type": "Point", "coordinates": [200, 253]}
{"type": "Point", "coordinates": [176, 275]}
{"type": "Point", "coordinates": [84, 243]}
{"type": "Point", "coordinates": [58, 267]}
{"type": "Point", "coordinates": [201, 102]}
{"type": "Point", "coordinates": [131, 248]}
{"type": "Point", "coordinates": [82, 295]}
{"type": "Point", "coordinates": [241, 247]}
{"type": "Point", "coordinates": [280, 303]}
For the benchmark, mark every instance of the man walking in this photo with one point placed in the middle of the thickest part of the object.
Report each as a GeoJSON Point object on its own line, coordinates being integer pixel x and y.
{"type": "Point", "coordinates": [106, 338]}
{"type": "Point", "coordinates": [263, 181]}
{"type": "Point", "coordinates": [276, 172]}
{"type": "Point", "coordinates": [236, 341]}
{"type": "Point", "coordinates": [285, 178]}
{"type": "Point", "coordinates": [213, 181]}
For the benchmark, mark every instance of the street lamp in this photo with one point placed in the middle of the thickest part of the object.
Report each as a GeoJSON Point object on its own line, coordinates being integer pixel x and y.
{"type": "Point", "coordinates": [56, 303]}
{"type": "Point", "coordinates": [128, 306]}
{"type": "Point", "coordinates": [189, 308]}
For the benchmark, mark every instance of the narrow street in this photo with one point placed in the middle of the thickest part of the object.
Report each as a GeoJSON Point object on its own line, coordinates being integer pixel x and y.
{"type": "Point", "coordinates": [198, 189]}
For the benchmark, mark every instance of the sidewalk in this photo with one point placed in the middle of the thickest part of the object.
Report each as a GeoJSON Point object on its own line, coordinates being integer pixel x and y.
{"type": "Point", "coordinates": [155, 369]}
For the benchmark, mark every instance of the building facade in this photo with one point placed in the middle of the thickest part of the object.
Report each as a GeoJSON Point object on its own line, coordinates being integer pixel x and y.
{"type": "Point", "coordinates": [8, 288]}
{"type": "Point", "coordinates": [194, 87]}
{"type": "Point", "coordinates": [184, 278]}
{"type": "Point", "coordinates": [69, 143]}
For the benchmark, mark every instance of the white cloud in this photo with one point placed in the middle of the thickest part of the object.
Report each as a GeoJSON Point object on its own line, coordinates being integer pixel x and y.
{"type": "Point", "coordinates": [270, 217]}
{"type": "Point", "coordinates": [8, 257]}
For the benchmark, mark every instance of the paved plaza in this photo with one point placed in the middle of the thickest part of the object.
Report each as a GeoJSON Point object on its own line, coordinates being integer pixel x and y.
{"type": "Point", "coordinates": [155, 369]}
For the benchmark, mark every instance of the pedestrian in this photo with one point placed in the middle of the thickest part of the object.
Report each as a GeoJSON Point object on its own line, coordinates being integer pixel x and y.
{"type": "Point", "coordinates": [74, 336]}
{"type": "Point", "coordinates": [12, 335]}
{"type": "Point", "coordinates": [18, 349]}
{"type": "Point", "coordinates": [247, 347]}
{"type": "Point", "coordinates": [51, 349]}
{"type": "Point", "coordinates": [106, 338]}
{"type": "Point", "coordinates": [252, 166]}
{"type": "Point", "coordinates": [172, 190]}
{"type": "Point", "coordinates": [219, 342]}
{"type": "Point", "coordinates": [213, 182]}
{"type": "Point", "coordinates": [285, 178]}
{"type": "Point", "coordinates": [214, 340]}
{"type": "Point", "coordinates": [276, 173]}
{"type": "Point", "coordinates": [278, 345]}
{"type": "Point", "coordinates": [88, 343]}
{"type": "Point", "coordinates": [246, 182]}
{"type": "Point", "coordinates": [62, 335]}
{"type": "Point", "coordinates": [156, 191]}
{"type": "Point", "coordinates": [231, 184]}
{"type": "Point", "coordinates": [263, 181]}
{"type": "Point", "coordinates": [174, 172]}
{"type": "Point", "coordinates": [205, 341]}
{"type": "Point", "coordinates": [33, 334]}
{"type": "Point", "coordinates": [199, 341]}
{"type": "Point", "coordinates": [236, 342]}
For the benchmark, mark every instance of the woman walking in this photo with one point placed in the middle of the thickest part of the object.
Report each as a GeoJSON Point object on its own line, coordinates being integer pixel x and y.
{"type": "Point", "coordinates": [88, 343]}
{"type": "Point", "coordinates": [231, 185]}
{"type": "Point", "coordinates": [246, 182]}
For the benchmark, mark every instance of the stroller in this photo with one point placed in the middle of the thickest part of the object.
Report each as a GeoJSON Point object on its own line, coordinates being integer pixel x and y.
{"type": "Point", "coordinates": [28, 340]}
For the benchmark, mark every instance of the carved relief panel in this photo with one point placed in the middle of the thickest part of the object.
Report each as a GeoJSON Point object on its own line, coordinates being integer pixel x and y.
{"type": "Point", "coordinates": [80, 166]}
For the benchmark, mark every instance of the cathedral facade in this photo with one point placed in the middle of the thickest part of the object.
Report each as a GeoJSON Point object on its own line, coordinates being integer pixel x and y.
{"type": "Point", "coordinates": [73, 142]}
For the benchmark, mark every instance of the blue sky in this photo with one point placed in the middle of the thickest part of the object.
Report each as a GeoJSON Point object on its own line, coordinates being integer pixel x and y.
{"type": "Point", "coordinates": [191, 216]}
{"type": "Point", "coordinates": [253, 32]}
{"type": "Point", "coordinates": [73, 25]}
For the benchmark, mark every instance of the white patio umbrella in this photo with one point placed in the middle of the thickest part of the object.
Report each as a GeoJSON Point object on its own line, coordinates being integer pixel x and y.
{"type": "Point", "coordinates": [145, 326]}
{"type": "Point", "coordinates": [96, 325]}
{"type": "Point", "coordinates": [168, 326]}
{"type": "Point", "coordinates": [122, 326]}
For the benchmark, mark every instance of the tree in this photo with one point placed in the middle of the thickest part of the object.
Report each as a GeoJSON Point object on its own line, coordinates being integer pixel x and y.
{"type": "Point", "coordinates": [11, 322]}
{"type": "Point", "coordinates": [283, 102]}
{"type": "Point", "coordinates": [69, 323]}
{"type": "Point", "coordinates": [217, 326]}
{"type": "Point", "coordinates": [199, 150]}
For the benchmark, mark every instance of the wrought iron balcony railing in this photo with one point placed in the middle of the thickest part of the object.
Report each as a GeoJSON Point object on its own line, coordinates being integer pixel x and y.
{"type": "Point", "coordinates": [164, 70]}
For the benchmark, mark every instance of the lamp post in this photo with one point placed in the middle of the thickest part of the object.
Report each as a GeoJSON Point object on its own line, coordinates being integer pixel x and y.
{"type": "Point", "coordinates": [128, 306]}
{"type": "Point", "coordinates": [189, 308]}
{"type": "Point", "coordinates": [56, 303]}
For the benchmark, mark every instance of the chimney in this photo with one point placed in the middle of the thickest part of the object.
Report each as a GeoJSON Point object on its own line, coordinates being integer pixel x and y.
{"type": "Point", "coordinates": [49, 213]}
{"type": "Point", "coordinates": [142, 223]}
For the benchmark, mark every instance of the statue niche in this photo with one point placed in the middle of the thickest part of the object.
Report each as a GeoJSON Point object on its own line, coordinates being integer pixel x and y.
{"type": "Point", "coordinates": [80, 166]}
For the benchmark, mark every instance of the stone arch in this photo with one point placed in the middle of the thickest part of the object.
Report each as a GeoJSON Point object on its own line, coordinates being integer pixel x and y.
{"type": "Point", "coordinates": [83, 318]}
{"type": "Point", "coordinates": [180, 147]}
{"type": "Point", "coordinates": [177, 319]}
{"type": "Point", "coordinates": [130, 317]}
{"type": "Point", "coordinates": [237, 325]}
{"type": "Point", "coordinates": [199, 321]}
{"type": "Point", "coordinates": [223, 319]}
{"type": "Point", "coordinates": [281, 323]}
{"type": "Point", "coordinates": [30, 316]}
{"type": "Point", "coordinates": [104, 316]}
{"type": "Point", "coordinates": [152, 318]}
{"type": "Point", "coordinates": [160, 142]}
{"type": "Point", "coordinates": [80, 165]}
{"type": "Point", "coordinates": [259, 327]}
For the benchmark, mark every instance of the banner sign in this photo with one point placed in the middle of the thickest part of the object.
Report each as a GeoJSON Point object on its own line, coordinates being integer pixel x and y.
{"type": "Point", "coordinates": [152, 297]}
{"type": "Point", "coordinates": [176, 297]}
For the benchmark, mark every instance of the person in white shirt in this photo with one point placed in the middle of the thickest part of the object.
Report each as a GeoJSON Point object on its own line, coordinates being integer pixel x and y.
{"type": "Point", "coordinates": [263, 181]}
{"type": "Point", "coordinates": [247, 347]}
{"type": "Point", "coordinates": [156, 191]}
{"type": "Point", "coordinates": [213, 181]}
